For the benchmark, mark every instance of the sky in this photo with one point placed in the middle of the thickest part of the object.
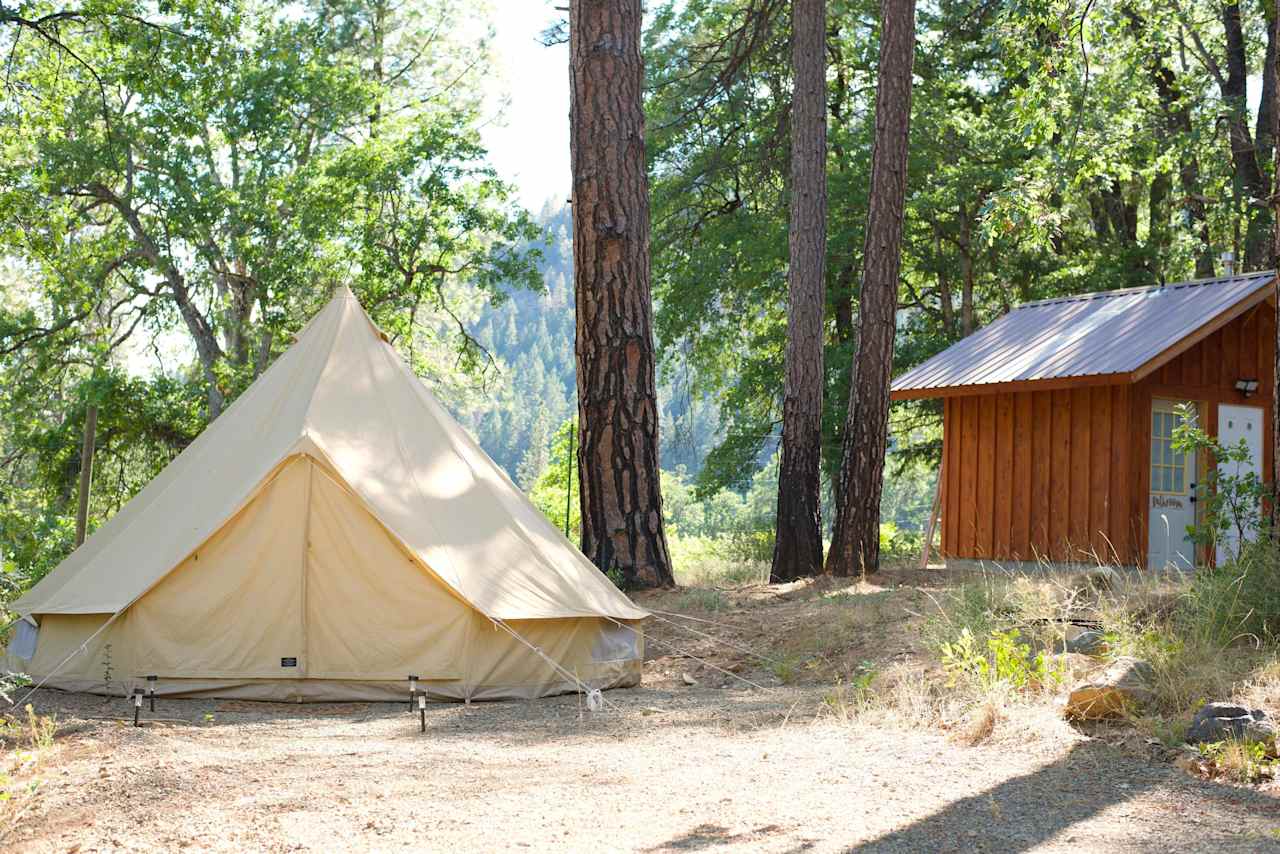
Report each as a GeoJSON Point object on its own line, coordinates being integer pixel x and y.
{"type": "Point", "coordinates": [528, 98]}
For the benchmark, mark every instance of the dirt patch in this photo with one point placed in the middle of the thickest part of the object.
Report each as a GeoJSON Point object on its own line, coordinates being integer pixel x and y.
{"type": "Point", "coordinates": [753, 756]}
{"type": "Point", "coordinates": [662, 770]}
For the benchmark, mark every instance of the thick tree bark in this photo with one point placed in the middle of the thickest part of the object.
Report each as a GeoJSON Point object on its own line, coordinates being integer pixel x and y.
{"type": "Point", "coordinates": [1177, 125]}
{"type": "Point", "coordinates": [855, 545]}
{"type": "Point", "coordinates": [86, 472]}
{"type": "Point", "coordinates": [797, 550]}
{"type": "Point", "coordinates": [619, 493]}
{"type": "Point", "coordinates": [1244, 149]}
{"type": "Point", "coordinates": [1275, 265]}
{"type": "Point", "coordinates": [1264, 133]}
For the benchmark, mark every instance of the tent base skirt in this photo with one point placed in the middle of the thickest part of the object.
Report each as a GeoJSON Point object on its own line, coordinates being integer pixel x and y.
{"type": "Point", "coordinates": [620, 674]}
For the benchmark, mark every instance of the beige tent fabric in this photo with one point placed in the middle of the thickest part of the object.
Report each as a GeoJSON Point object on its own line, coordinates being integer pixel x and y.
{"type": "Point", "coordinates": [497, 665]}
{"type": "Point", "coordinates": [343, 395]}
{"type": "Point", "coordinates": [372, 623]}
{"type": "Point", "coordinates": [105, 664]}
{"type": "Point", "coordinates": [225, 611]}
{"type": "Point", "coordinates": [357, 615]}
{"type": "Point", "coordinates": [196, 493]}
{"type": "Point", "coordinates": [220, 624]}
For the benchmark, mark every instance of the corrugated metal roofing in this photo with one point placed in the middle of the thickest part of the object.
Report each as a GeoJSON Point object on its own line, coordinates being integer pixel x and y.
{"type": "Point", "coordinates": [1106, 333]}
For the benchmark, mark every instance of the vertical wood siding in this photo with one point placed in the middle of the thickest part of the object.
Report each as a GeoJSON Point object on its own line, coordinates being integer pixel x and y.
{"type": "Point", "coordinates": [1063, 474]}
{"type": "Point", "coordinates": [1036, 478]}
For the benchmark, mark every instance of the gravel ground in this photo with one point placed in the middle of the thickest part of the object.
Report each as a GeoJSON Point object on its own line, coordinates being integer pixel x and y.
{"type": "Point", "coordinates": [661, 770]}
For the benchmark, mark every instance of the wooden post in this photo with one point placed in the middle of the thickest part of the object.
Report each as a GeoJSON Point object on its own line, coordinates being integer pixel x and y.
{"type": "Point", "coordinates": [933, 520]}
{"type": "Point", "coordinates": [86, 472]}
{"type": "Point", "coordinates": [568, 478]}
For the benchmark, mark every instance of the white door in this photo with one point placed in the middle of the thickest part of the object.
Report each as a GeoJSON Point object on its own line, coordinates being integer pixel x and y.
{"type": "Point", "coordinates": [1236, 423]}
{"type": "Point", "coordinates": [1172, 508]}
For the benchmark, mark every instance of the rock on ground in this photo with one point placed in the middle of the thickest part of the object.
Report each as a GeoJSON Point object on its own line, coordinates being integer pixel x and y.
{"type": "Point", "coordinates": [1124, 685]}
{"type": "Point", "coordinates": [1220, 721]}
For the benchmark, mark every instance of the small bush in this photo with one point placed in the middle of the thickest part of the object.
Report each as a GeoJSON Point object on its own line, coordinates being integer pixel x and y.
{"type": "Point", "coordinates": [899, 543]}
{"type": "Point", "coordinates": [750, 545]}
{"type": "Point", "coordinates": [712, 561]}
{"type": "Point", "coordinates": [1240, 600]}
{"type": "Point", "coordinates": [1004, 659]}
{"type": "Point", "coordinates": [1239, 761]}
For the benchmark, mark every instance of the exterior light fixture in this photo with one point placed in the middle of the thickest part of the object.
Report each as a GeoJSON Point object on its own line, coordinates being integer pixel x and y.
{"type": "Point", "coordinates": [1247, 386]}
{"type": "Point", "coordinates": [413, 690]}
{"type": "Point", "coordinates": [137, 705]}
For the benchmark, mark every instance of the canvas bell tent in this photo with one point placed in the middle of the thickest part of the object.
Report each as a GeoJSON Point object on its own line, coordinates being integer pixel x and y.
{"type": "Point", "coordinates": [332, 533]}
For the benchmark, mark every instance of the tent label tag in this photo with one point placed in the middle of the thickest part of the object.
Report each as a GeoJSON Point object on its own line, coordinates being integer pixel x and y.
{"type": "Point", "coordinates": [289, 662]}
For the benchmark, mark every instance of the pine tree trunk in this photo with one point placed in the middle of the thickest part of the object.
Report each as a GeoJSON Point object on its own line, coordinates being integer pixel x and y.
{"type": "Point", "coordinates": [855, 544]}
{"type": "Point", "coordinates": [1275, 265]}
{"type": "Point", "coordinates": [797, 550]}
{"type": "Point", "coordinates": [620, 493]}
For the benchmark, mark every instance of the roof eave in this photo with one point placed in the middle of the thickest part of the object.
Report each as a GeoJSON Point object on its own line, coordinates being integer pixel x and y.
{"type": "Point", "coordinates": [1048, 384]}
{"type": "Point", "coordinates": [1186, 342]}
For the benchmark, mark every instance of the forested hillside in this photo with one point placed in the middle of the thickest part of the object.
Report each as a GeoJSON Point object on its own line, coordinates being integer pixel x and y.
{"type": "Point", "coordinates": [532, 389]}
{"type": "Point", "coordinates": [517, 410]}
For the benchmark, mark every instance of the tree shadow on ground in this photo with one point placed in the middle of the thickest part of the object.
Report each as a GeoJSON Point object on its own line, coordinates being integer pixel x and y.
{"type": "Point", "coordinates": [1045, 805]}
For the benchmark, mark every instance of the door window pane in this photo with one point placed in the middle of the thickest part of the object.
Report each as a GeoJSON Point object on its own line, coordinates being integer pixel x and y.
{"type": "Point", "coordinates": [1168, 465]}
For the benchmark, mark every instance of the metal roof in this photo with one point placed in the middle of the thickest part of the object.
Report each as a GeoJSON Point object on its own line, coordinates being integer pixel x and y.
{"type": "Point", "coordinates": [1120, 334]}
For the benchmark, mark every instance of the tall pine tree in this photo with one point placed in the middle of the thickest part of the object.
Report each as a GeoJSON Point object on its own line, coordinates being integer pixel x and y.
{"type": "Point", "coordinates": [620, 492]}
{"type": "Point", "coordinates": [855, 541]}
{"type": "Point", "coordinates": [798, 548]}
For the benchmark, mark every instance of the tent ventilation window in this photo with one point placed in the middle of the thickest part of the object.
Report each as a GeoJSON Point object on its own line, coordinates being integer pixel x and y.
{"type": "Point", "coordinates": [23, 644]}
{"type": "Point", "coordinates": [616, 643]}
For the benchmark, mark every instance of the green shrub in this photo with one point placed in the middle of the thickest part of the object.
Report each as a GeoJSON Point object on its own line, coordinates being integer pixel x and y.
{"type": "Point", "coordinates": [1230, 493]}
{"type": "Point", "coordinates": [899, 543]}
{"type": "Point", "coordinates": [1240, 761]}
{"type": "Point", "coordinates": [750, 545]}
{"type": "Point", "coordinates": [1240, 600]}
{"type": "Point", "coordinates": [1004, 659]}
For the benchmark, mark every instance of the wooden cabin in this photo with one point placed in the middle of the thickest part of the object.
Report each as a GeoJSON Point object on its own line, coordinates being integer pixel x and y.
{"type": "Point", "coordinates": [1057, 419]}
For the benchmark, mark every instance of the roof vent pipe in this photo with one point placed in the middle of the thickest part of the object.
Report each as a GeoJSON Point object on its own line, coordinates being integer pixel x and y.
{"type": "Point", "coordinates": [1229, 263]}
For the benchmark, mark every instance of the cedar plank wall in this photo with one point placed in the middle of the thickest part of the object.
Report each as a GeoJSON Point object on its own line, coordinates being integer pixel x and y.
{"type": "Point", "coordinates": [1063, 474]}
{"type": "Point", "coordinates": [1043, 468]}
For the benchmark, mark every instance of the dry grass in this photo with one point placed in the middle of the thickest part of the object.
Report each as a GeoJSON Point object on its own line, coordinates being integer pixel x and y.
{"type": "Point", "coordinates": [26, 741]}
{"type": "Point", "coordinates": [977, 726]}
{"type": "Point", "coordinates": [876, 644]}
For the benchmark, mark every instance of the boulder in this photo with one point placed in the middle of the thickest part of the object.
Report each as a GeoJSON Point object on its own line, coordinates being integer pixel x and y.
{"type": "Point", "coordinates": [1081, 640]}
{"type": "Point", "coordinates": [1221, 721]}
{"type": "Point", "coordinates": [1125, 685]}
